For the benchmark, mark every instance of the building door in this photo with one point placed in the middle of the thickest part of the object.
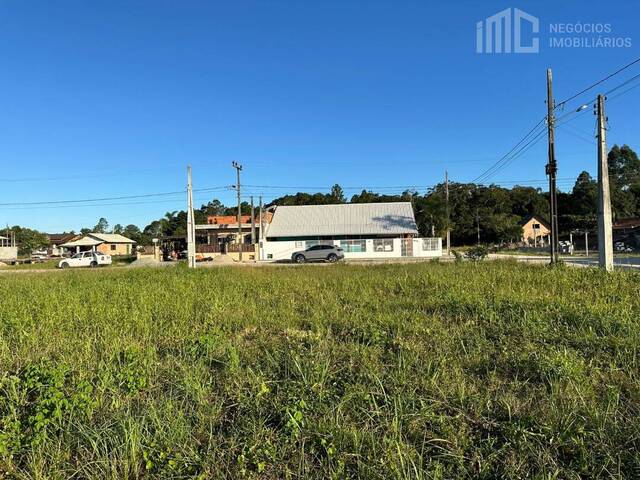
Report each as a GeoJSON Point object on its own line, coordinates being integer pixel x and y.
{"type": "Point", "coordinates": [406, 247]}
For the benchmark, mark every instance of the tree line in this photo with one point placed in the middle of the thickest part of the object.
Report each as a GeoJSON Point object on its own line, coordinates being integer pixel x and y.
{"type": "Point", "coordinates": [496, 211]}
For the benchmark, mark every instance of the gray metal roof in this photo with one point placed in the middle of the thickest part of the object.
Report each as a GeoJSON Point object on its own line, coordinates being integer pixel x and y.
{"type": "Point", "coordinates": [344, 219]}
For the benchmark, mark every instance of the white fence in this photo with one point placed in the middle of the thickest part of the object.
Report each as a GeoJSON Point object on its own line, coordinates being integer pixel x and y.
{"type": "Point", "coordinates": [363, 248]}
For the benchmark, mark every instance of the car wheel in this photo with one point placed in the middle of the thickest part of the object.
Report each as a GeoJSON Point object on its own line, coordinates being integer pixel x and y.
{"type": "Point", "coordinates": [94, 264]}
{"type": "Point", "coordinates": [332, 258]}
{"type": "Point", "coordinates": [64, 265]}
{"type": "Point", "coordinates": [300, 259]}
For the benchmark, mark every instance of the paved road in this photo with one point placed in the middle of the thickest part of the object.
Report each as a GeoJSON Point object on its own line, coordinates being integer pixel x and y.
{"type": "Point", "coordinates": [620, 262]}
{"type": "Point", "coordinates": [625, 261]}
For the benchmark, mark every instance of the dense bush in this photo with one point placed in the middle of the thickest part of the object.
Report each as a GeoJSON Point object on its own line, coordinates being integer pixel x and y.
{"type": "Point", "coordinates": [477, 253]}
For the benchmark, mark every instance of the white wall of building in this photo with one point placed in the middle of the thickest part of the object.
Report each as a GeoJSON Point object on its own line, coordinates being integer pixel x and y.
{"type": "Point", "coordinates": [8, 253]}
{"type": "Point", "coordinates": [374, 248]}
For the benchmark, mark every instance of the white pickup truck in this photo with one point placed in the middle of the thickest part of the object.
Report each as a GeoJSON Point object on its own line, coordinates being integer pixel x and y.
{"type": "Point", "coordinates": [85, 259]}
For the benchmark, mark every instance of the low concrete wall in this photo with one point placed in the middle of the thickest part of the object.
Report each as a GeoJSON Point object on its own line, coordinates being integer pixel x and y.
{"type": "Point", "coordinates": [8, 253]}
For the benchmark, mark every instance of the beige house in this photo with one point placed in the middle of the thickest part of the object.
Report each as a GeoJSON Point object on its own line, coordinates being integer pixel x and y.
{"type": "Point", "coordinates": [535, 231]}
{"type": "Point", "coordinates": [108, 243]}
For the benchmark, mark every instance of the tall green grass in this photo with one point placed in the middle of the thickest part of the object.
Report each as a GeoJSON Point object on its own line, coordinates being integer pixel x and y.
{"type": "Point", "coordinates": [495, 370]}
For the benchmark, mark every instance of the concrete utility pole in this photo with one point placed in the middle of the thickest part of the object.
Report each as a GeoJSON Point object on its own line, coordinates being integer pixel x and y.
{"type": "Point", "coordinates": [586, 242]}
{"type": "Point", "coordinates": [238, 167]}
{"type": "Point", "coordinates": [253, 223]}
{"type": "Point", "coordinates": [552, 171]}
{"type": "Point", "coordinates": [261, 220]}
{"type": "Point", "coordinates": [570, 243]}
{"type": "Point", "coordinates": [260, 230]}
{"type": "Point", "coordinates": [191, 228]}
{"type": "Point", "coordinates": [446, 187]}
{"type": "Point", "coordinates": [605, 235]}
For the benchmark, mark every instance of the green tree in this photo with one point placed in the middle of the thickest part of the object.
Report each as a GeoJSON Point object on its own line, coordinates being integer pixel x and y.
{"type": "Point", "coordinates": [337, 194]}
{"type": "Point", "coordinates": [29, 240]}
{"type": "Point", "coordinates": [526, 201]}
{"type": "Point", "coordinates": [585, 195]}
{"type": "Point", "coordinates": [624, 176]}
{"type": "Point", "coordinates": [102, 226]}
{"type": "Point", "coordinates": [624, 166]}
{"type": "Point", "coordinates": [133, 232]}
{"type": "Point", "coordinates": [214, 207]}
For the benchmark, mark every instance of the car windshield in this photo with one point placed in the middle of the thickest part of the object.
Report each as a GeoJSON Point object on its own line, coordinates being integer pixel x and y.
{"type": "Point", "coordinates": [77, 255]}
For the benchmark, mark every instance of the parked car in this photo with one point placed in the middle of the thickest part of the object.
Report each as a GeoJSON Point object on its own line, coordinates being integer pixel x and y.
{"type": "Point", "coordinates": [85, 259]}
{"type": "Point", "coordinates": [622, 248]}
{"type": "Point", "coordinates": [566, 247]}
{"type": "Point", "coordinates": [328, 253]}
{"type": "Point", "coordinates": [39, 255]}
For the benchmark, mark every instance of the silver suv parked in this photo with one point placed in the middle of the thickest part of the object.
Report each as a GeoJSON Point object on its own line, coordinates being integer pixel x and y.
{"type": "Point", "coordinates": [328, 253]}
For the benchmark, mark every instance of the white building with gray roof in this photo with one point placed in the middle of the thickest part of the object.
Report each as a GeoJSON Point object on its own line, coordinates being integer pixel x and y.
{"type": "Point", "coordinates": [362, 230]}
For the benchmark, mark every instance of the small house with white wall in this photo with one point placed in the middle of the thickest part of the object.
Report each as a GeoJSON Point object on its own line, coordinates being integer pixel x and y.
{"type": "Point", "coordinates": [362, 230]}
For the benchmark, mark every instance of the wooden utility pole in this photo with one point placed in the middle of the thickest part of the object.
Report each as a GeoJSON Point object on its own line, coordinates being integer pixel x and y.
{"type": "Point", "coordinates": [446, 189]}
{"type": "Point", "coordinates": [253, 223]}
{"type": "Point", "coordinates": [605, 235]}
{"type": "Point", "coordinates": [552, 172]}
{"type": "Point", "coordinates": [238, 167]}
{"type": "Point", "coordinates": [191, 232]}
{"type": "Point", "coordinates": [478, 223]}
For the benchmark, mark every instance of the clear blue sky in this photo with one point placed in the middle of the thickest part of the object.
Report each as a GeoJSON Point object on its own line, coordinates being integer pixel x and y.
{"type": "Point", "coordinates": [114, 98]}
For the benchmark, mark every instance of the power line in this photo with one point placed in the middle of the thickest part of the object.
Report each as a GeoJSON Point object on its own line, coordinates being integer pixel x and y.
{"type": "Point", "coordinates": [103, 199]}
{"type": "Point", "coordinates": [497, 165]}
{"type": "Point", "coordinates": [513, 155]}
{"type": "Point", "coordinates": [602, 80]}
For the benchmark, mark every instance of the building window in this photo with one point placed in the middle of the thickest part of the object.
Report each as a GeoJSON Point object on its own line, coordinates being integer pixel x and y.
{"type": "Point", "coordinates": [113, 247]}
{"type": "Point", "coordinates": [383, 244]}
{"type": "Point", "coordinates": [311, 243]}
{"type": "Point", "coordinates": [354, 246]}
{"type": "Point", "coordinates": [430, 244]}
{"type": "Point", "coordinates": [536, 226]}
{"type": "Point", "coordinates": [299, 244]}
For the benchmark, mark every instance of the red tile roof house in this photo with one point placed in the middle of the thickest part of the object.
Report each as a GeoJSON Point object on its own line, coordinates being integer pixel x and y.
{"type": "Point", "coordinates": [222, 230]}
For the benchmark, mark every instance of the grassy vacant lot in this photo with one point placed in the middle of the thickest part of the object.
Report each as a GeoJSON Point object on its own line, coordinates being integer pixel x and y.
{"type": "Point", "coordinates": [495, 370]}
